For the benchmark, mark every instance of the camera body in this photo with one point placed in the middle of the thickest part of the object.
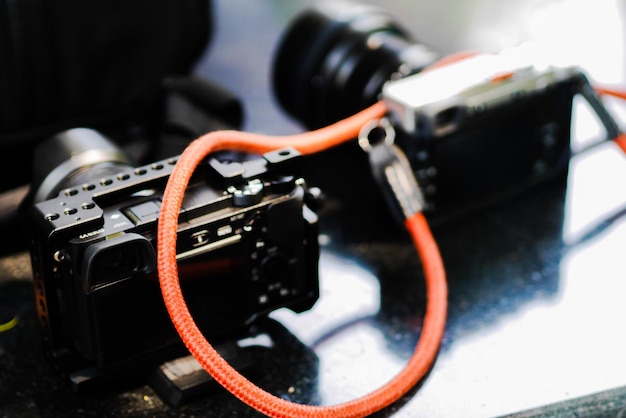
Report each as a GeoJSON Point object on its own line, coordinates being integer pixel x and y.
{"type": "Point", "coordinates": [247, 245]}
{"type": "Point", "coordinates": [484, 127]}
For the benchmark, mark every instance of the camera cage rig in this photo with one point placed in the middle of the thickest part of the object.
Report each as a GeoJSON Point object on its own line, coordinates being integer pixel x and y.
{"type": "Point", "coordinates": [74, 232]}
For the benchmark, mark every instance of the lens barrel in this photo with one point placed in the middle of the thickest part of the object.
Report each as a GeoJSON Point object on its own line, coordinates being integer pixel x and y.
{"type": "Point", "coordinates": [73, 157]}
{"type": "Point", "coordinates": [333, 60]}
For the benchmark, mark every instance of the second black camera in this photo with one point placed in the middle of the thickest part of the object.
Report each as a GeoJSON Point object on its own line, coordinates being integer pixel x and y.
{"type": "Point", "coordinates": [475, 130]}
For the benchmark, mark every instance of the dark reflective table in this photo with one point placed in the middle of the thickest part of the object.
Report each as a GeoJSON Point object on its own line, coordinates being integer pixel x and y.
{"type": "Point", "coordinates": [536, 285]}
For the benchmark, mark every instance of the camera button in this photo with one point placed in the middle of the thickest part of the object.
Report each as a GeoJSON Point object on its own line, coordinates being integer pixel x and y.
{"type": "Point", "coordinates": [200, 238]}
{"type": "Point", "coordinates": [222, 231]}
{"type": "Point", "coordinates": [250, 194]}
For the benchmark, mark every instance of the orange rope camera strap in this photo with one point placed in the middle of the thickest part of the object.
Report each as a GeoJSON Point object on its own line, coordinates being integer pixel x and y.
{"type": "Point", "coordinates": [620, 140]}
{"type": "Point", "coordinates": [306, 143]}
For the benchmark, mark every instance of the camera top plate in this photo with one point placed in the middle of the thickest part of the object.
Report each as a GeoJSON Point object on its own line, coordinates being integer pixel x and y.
{"type": "Point", "coordinates": [80, 209]}
{"type": "Point", "coordinates": [434, 103]}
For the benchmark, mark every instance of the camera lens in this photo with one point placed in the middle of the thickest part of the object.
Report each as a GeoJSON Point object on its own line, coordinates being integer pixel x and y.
{"type": "Point", "coordinates": [333, 60]}
{"type": "Point", "coordinates": [74, 157]}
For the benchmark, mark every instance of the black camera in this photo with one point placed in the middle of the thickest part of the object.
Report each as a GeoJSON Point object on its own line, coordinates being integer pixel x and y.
{"type": "Point", "coordinates": [247, 245]}
{"type": "Point", "coordinates": [476, 130]}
